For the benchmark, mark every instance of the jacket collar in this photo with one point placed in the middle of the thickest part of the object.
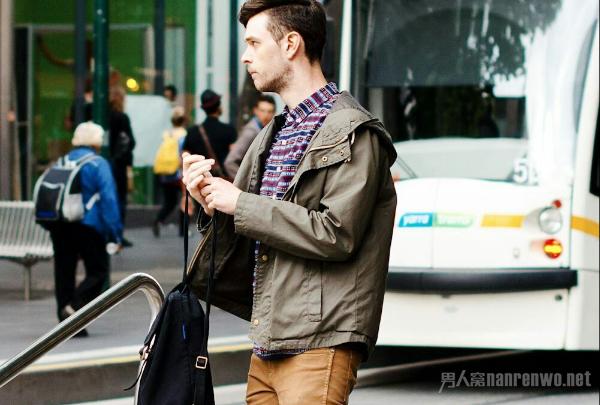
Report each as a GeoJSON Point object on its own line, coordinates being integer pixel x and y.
{"type": "Point", "coordinates": [344, 118]}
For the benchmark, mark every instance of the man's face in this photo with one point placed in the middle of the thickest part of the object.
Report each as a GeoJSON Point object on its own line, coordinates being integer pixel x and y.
{"type": "Point", "coordinates": [264, 111]}
{"type": "Point", "coordinates": [264, 57]}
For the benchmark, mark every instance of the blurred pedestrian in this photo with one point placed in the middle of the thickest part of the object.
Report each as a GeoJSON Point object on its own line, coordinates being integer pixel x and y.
{"type": "Point", "coordinates": [167, 166]}
{"type": "Point", "coordinates": [120, 144]}
{"type": "Point", "coordinates": [170, 93]}
{"type": "Point", "coordinates": [212, 137]}
{"type": "Point", "coordinates": [304, 233]}
{"type": "Point", "coordinates": [88, 101]}
{"type": "Point", "coordinates": [88, 238]}
{"type": "Point", "coordinates": [264, 111]}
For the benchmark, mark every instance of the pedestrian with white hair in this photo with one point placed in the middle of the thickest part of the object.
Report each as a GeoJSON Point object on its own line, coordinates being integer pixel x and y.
{"type": "Point", "coordinates": [88, 237]}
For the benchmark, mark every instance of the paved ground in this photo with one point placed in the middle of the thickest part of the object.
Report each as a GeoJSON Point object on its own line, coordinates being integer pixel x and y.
{"type": "Point", "coordinates": [418, 393]}
{"type": "Point", "coordinates": [420, 382]}
{"type": "Point", "coordinates": [21, 323]}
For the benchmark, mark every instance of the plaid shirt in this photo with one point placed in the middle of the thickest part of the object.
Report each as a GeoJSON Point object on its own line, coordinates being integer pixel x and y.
{"type": "Point", "coordinates": [288, 147]}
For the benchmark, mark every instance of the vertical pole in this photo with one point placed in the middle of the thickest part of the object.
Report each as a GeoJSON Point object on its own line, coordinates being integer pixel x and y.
{"type": "Point", "coordinates": [159, 46]}
{"type": "Point", "coordinates": [233, 62]}
{"type": "Point", "coordinates": [346, 49]}
{"type": "Point", "coordinates": [27, 282]}
{"type": "Point", "coordinates": [100, 62]}
{"type": "Point", "coordinates": [80, 61]}
{"type": "Point", "coordinates": [6, 105]}
{"type": "Point", "coordinates": [100, 107]}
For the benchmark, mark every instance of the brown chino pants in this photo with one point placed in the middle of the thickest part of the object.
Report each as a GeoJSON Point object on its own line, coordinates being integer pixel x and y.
{"type": "Point", "coordinates": [321, 376]}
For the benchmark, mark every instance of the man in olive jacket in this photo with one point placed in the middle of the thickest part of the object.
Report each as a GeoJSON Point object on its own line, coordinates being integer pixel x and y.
{"type": "Point", "coordinates": [305, 230]}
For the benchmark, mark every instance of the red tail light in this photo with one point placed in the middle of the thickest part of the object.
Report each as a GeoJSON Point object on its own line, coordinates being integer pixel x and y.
{"type": "Point", "coordinates": [553, 248]}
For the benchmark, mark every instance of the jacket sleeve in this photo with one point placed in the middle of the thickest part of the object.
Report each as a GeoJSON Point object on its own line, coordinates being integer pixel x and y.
{"type": "Point", "coordinates": [335, 231]}
{"type": "Point", "coordinates": [235, 156]}
{"type": "Point", "coordinates": [109, 204]}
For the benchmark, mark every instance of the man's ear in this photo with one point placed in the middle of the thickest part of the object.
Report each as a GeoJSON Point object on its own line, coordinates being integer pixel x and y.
{"type": "Point", "coordinates": [293, 44]}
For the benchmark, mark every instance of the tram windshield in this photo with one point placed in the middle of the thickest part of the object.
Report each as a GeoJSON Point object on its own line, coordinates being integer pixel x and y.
{"type": "Point", "coordinates": [486, 89]}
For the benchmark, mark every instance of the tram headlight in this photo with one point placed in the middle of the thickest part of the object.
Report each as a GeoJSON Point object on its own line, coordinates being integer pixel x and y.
{"type": "Point", "coordinates": [550, 220]}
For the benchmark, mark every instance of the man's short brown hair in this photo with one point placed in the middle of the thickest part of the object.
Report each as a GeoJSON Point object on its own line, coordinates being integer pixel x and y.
{"type": "Point", "coordinates": [306, 17]}
{"type": "Point", "coordinates": [265, 98]}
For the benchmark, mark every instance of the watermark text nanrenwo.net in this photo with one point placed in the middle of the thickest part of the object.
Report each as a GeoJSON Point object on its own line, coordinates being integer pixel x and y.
{"type": "Point", "coordinates": [527, 380]}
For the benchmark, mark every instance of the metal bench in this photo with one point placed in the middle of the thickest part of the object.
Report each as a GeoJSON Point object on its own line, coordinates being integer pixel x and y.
{"type": "Point", "coordinates": [22, 240]}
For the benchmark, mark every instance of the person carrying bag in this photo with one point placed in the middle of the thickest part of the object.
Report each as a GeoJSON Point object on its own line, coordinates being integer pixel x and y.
{"type": "Point", "coordinates": [217, 169]}
{"type": "Point", "coordinates": [175, 367]}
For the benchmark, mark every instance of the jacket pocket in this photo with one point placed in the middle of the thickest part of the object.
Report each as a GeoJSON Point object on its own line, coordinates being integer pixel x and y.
{"type": "Point", "coordinates": [315, 291]}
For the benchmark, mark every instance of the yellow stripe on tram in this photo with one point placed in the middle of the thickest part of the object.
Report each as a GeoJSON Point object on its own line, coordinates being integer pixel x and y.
{"type": "Point", "coordinates": [502, 221]}
{"type": "Point", "coordinates": [586, 226]}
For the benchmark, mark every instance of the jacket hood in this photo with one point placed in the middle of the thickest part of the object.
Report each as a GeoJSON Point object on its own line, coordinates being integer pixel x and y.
{"type": "Point", "coordinates": [346, 116]}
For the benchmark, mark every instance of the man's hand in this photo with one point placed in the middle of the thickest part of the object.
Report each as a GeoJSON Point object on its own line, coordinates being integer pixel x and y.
{"type": "Point", "coordinates": [220, 194]}
{"type": "Point", "coordinates": [196, 170]}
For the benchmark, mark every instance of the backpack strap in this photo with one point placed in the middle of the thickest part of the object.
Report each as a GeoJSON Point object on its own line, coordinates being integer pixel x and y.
{"type": "Point", "coordinates": [64, 161]}
{"type": "Point", "coordinates": [86, 159]}
{"type": "Point", "coordinates": [92, 201]}
{"type": "Point", "coordinates": [79, 164]}
{"type": "Point", "coordinates": [201, 364]}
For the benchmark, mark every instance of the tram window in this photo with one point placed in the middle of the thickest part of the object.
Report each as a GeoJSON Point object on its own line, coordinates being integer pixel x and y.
{"type": "Point", "coordinates": [595, 183]}
{"type": "Point", "coordinates": [581, 73]}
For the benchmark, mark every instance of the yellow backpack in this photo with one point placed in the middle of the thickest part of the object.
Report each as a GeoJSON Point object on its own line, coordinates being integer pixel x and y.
{"type": "Point", "coordinates": [167, 157]}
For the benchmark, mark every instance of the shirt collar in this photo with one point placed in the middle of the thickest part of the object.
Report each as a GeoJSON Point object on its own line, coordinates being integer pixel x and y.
{"type": "Point", "coordinates": [258, 123]}
{"type": "Point", "coordinates": [310, 104]}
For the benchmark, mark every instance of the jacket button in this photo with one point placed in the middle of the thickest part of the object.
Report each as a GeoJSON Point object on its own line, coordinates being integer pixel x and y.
{"type": "Point", "coordinates": [324, 159]}
{"type": "Point", "coordinates": [264, 258]}
{"type": "Point", "coordinates": [256, 322]}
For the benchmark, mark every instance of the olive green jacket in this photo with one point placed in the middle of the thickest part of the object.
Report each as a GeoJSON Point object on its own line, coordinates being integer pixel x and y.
{"type": "Point", "coordinates": [324, 251]}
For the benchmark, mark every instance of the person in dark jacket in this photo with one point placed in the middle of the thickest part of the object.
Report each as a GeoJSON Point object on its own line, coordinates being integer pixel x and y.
{"type": "Point", "coordinates": [121, 144]}
{"type": "Point", "coordinates": [86, 239]}
{"type": "Point", "coordinates": [221, 136]}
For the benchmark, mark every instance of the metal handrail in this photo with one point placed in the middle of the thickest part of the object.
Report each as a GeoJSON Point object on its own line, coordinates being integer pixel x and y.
{"type": "Point", "coordinates": [82, 318]}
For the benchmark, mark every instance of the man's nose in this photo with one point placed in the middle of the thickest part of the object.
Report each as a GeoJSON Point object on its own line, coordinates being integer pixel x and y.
{"type": "Point", "coordinates": [245, 57]}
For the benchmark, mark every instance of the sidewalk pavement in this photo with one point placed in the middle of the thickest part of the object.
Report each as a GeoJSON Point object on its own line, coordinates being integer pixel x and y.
{"type": "Point", "coordinates": [21, 323]}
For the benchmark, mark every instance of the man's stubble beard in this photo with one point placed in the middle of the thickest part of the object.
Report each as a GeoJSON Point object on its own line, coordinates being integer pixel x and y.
{"type": "Point", "coordinates": [277, 83]}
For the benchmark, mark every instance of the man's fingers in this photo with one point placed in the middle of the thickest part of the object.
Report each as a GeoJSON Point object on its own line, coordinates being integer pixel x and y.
{"type": "Point", "coordinates": [213, 180]}
{"type": "Point", "coordinates": [194, 183]}
{"type": "Point", "coordinates": [197, 169]}
{"type": "Point", "coordinates": [190, 159]}
{"type": "Point", "coordinates": [195, 174]}
{"type": "Point", "coordinates": [205, 191]}
{"type": "Point", "coordinates": [201, 163]}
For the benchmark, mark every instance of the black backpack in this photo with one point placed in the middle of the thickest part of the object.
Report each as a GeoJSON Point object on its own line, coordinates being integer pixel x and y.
{"type": "Point", "coordinates": [175, 368]}
{"type": "Point", "coordinates": [57, 193]}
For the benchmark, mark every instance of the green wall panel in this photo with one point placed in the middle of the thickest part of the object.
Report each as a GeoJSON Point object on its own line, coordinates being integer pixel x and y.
{"type": "Point", "coordinates": [53, 82]}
